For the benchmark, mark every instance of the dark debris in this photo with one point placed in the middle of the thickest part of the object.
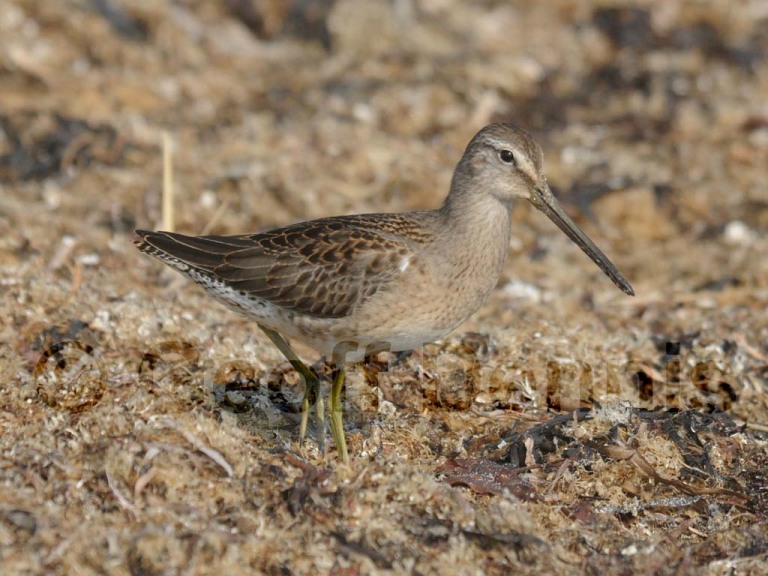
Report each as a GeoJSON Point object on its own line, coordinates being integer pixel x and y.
{"type": "Point", "coordinates": [551, 444]}
{"type": "Point", "coordinates": [125, 24]}
{"type": "Point", "coordinates": [41, 147]}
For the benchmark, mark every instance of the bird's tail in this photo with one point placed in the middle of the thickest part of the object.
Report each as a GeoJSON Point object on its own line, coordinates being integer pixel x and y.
{"type": "Point", "coordinates": [183, 252]}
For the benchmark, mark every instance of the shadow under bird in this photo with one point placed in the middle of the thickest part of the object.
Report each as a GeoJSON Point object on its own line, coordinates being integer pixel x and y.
{"type": "Point", "coordinates": [349, 286]}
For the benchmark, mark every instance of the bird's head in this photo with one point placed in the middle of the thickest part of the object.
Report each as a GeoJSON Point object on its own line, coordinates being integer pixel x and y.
{"type": "Point", "coordinates": [505, 162]}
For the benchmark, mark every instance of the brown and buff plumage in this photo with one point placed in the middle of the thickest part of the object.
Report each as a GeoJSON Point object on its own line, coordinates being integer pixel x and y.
{"type": "Point", "coordinates": [348, 285]}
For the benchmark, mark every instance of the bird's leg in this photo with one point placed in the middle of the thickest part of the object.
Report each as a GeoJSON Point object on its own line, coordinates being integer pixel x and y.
{"type": "Point", "coordinates": [338, 360]}
{"type": "Point", "coordinates": [311, 384]}
{"type": "Point", "coordinates": [319, 418]}
{"type": "Point", "coordinates": [337, 422]}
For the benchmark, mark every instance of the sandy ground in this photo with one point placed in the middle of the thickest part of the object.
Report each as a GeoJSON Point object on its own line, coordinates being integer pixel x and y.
{"type": "Point", "coordinates": [565, 429]}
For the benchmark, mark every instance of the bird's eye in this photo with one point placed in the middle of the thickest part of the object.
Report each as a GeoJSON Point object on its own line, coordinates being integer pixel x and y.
{"type": "Point", "coordinates": [507, 156]}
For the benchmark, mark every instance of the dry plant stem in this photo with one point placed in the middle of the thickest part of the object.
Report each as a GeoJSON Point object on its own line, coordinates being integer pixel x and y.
{"type": "Point", "coordinates": [220, 211]}
{"type": "Point", "coordinates": [312, 387]}
{"type": "Point", "coordinates": [168, 214]}
{"type": "Point", "coordinates": [757, 426]}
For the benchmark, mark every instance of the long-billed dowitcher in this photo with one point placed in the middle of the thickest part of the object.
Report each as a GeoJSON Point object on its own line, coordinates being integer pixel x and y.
{"type": "Point", "coordinates": [352, 285]}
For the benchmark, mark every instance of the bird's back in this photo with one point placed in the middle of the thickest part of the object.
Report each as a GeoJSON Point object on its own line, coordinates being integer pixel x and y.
{"type": "Point", "coordinates": [322, 268]}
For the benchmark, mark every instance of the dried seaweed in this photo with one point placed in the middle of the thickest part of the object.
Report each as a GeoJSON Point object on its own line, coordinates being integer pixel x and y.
{"type": "Point", "coordinates": [562, 430]}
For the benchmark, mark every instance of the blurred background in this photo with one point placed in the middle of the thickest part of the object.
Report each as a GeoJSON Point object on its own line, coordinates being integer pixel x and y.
{"type": "Point", "coordinates": [652, 115]}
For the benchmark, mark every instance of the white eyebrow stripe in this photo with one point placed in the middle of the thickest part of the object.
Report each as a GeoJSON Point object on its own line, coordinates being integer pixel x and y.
{"type": "Point", "coordinates": [524, 162]}
{"type": "Point", "coordinates": [499, 144]}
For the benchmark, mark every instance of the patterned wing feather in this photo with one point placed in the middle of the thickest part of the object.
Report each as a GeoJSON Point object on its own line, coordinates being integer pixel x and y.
{"type": "Point", "coordinates": [323, 268]}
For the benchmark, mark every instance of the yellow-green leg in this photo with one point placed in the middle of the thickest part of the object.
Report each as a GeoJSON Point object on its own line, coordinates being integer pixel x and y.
{"type": "Point", "coordinates": [337, 422]}
{"type": "Point", "coordinates": [311, 382]}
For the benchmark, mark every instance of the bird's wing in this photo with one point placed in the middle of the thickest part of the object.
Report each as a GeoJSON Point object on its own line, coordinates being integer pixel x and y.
{"type": "Point", "coordinates": [323, 268]}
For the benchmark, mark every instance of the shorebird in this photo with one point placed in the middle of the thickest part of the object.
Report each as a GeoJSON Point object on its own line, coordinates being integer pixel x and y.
{"type": "Point", "coordinates": [349, 286]}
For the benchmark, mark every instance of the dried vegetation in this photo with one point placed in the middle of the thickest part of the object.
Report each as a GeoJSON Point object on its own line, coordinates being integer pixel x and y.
{"type": "Point", "coordinates": [566, 429]}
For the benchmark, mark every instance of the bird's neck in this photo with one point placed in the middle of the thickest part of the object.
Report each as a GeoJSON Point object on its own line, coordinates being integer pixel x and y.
{"type": "Point", "coordinates": [470, 200]}
{"type": "Point", "coordinates": [466, 207]}
{"type": "Point", "coordinates": [481, 227]}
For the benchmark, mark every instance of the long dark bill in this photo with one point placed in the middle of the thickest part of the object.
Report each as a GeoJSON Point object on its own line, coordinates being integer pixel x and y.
{"type": "Point", "coordinates": [545, 201]}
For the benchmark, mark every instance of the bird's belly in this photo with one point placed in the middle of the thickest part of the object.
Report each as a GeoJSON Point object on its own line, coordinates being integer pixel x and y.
{"type": "Point", "coordinates": [397, 320]}
{"type": "Point", "coordinates": [410, 320]}
{"type": "Point", "coordinates": [407, 324]}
